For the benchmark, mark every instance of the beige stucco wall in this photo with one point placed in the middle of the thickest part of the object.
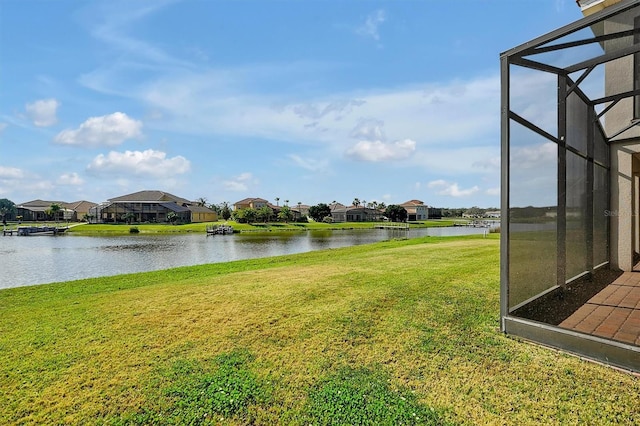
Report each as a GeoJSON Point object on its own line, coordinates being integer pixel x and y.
{"type": "Point", "coordinates": [625, 166]}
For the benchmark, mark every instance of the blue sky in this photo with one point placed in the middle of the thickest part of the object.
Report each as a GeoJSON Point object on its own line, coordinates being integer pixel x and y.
{"type": "Point", "coordinates": [307, 101]}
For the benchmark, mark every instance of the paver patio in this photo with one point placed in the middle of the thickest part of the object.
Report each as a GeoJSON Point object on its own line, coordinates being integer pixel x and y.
{"type": "Point", "coordinates": [613, 313]}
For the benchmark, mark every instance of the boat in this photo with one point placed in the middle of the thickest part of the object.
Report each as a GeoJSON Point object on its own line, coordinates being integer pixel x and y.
{"type": "Point", "coordinates": [39, 230]}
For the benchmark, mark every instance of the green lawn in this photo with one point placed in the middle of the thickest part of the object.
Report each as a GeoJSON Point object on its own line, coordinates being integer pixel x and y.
{"type": "Point", "coordinates": [398, 332]}
{"type": "Point", "coordinates": [108, 229]}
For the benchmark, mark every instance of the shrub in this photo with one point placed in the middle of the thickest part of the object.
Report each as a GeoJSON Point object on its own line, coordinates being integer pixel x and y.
{"type": "Point", "coordinates": [134, 230]}
{"type": "Point", "coordinates": [328, 219]}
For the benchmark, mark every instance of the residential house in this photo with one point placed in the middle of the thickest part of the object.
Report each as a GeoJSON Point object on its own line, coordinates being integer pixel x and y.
{"type": "Point", "coordinates": [201, 214]}
{"type": "Point", "coordinates": [253, 203]}
{"type": "Point", "coordinates": [80, 208]}
{"type": "Point", "coordinates": [300, 210]}
{"type": "Point", "coordinates": [151, 206]}
{"type": "Point", "coordinates": [39, 210]}
{"type": "Point", "coordinates": [416, 210]}
{"type": "Point", "coordinates": [341, 213]}
{"type": "Point", "coordinates": [568, 278]}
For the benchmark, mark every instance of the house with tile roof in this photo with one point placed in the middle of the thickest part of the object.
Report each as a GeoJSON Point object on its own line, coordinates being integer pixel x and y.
{"type": "Point", "coordinates": [253, 203]}
{"type": "Point", "coordinates": [151, 206]}
{"type": "Point", "coordinates": [37, 210]}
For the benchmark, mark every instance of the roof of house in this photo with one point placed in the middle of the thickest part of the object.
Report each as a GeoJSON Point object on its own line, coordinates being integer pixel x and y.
{"type": "Point", "coordinates": [39, 203]}
{"type": "Point", "coordinates": [150, 196]}
{"type": "Point", "coordinates": [200, 209]}
{"type": "Point", "coordinates": [174, 207]}
{"type": "Point", "coordinates": [412, 203]}
{"type": "Point", "coordinates": [80, 205]}
{"type": "Point", "coordinates": [251, 200]}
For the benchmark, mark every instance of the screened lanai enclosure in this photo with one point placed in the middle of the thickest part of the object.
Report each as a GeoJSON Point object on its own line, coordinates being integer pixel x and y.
{"type": "Point", "coordinates": [570, 277]}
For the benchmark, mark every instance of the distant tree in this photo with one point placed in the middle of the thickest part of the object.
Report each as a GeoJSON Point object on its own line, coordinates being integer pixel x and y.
{"type": "Point", "coordinates": [172, 217]}
{"type": "Point", "coordinates": [238, 216]}
{"type": "Point", "coordinates": [475, 211]}
{"type": "Point", "coordinates": [264, 214]}
{"type": "Point", "coordinates": [319, 212]}
{"type": "Point", "coordinates": [130, 217]}
{"type": "Point", "coordinates": [277, 200]}
{"type": "Point", "coordinates": [202, 202]}
{"type": "Point", "coordinates": [356, 202]}
{"type": "Point", "coordinates": [286, 202]}
{"type": "Point", "coordinates": [247, 215]}
{"type": "Point", "coordinates": [225, 212]}
{"type": "Point", "coordinates": [396, 213]}
{"type": "Point", "coordinates": [7, 207]}
{"type": "Point", "coordinates": [382, 206]}
{"type": "Point", "coordinates": [54, 210]}
{"type": "Point", "coordinates": [285, 214]}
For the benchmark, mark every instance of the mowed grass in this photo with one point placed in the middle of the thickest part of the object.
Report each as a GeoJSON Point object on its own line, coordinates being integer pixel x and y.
{"type": "Point", "coordinates": [397, 332]}
{"type": "Point", "coordinates": [123, 229]}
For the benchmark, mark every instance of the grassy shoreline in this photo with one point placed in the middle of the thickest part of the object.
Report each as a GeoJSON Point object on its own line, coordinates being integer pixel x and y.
{"type": "Point", "coordinates": [108, 229]}
{"type": "Point", "coordinates": [295, 339]}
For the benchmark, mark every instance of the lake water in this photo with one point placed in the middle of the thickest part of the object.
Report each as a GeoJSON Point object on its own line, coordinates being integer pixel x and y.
{"type": "Point", "coordinates": [46, 259]}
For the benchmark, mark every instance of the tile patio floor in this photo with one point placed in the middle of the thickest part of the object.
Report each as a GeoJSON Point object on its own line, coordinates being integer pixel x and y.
{"type": "Point", "coordinates": [614, 313]}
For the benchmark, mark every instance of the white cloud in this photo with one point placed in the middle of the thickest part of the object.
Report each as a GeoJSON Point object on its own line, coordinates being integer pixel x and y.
{"type": "Point", "coordinates": [370, 26]}
{"type": "Point", "coordinates": [493, 191]}
{"type": "Point", "coordinates": [13, 182]}
{"type": "Point", "coordinates": [369, 129]}
{"type": "Point", "coordinates": [540, 156]}
{"type": "Point", "coordinates": [147, 163]}
{"type": "Point", "coordinates": [337, 109]}
{"type": "Point", "coordinates": [311, 164]}
{"type": "Point", "coordinates": [451, 189]}
{"type": "Point", "coordinates": [11, 173]}
{"type": "Point", "coordinates": [43, 112]}
{"type": "Point", "coordinates": [239, 183]}
{"type": "Point", "coordinates": [72, 179]}
{"type": "Point", "coordinates": [107, 130]}
{"type": "Point", "coordinates": [381, 151]}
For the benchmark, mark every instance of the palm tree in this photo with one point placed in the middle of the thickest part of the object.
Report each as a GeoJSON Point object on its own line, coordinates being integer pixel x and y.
{"type": "Point", "coordinates": [53, 210]}
{"type": "Point", "coordinates": [172, 217]}
{"type": "Point", "coordinates": [356, 202]}
{"type": "Point", "coordinates": [202, 202]}
{"type": "Point", "coordinates": [129, 217]}
{"type": "Point", "coordinates": [286, 202]}
{"type": "Point", "coordinates": [277, 200]}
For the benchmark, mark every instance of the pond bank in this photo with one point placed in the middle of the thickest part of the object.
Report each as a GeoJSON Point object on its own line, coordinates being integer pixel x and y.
{"type": "Point", "coordinates": [412, 324]}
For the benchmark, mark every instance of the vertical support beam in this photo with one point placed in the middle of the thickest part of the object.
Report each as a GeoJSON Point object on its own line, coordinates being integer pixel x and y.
{"type": "Point", "coordinates": [504, 193]}
{"type": "Point", "coordinates": [622, 206]}
{"type": "Point", "coordinates": [562, 182]}
{"type": "Point", "coordinates": [589, 219]}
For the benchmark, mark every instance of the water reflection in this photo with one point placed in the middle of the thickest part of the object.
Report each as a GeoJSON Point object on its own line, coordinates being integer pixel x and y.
{"type": "Point", "coordinates": [40, 259]}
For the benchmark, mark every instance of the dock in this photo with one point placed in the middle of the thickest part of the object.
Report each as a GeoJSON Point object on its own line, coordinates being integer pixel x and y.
{"type": "Point", "coordinates": [220, 230]}
{"type": "Point", "coordinates": [34, 230]}
{"type": "Point", "coordinates": [397, 226]}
